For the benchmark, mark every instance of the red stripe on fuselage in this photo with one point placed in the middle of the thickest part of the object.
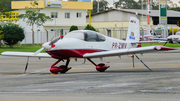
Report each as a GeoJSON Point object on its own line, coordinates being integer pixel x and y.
{"type": "Point", "coordinates": [66, 53]}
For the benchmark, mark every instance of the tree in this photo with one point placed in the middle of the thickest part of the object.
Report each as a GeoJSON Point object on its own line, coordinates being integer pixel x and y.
{"type": "Point", "coordinates": [34, 17]}
{"type": "Point", "coordinates": [175, 9]}
{"type": "Point", "coordinates": [89, 27]}
{"type": "Point", "coordinates": [12, 34]}
{"type": "Point", "coordinates": [5, 5]}
{"type": "Point", "coordinates": [103, 6]}
{"type": "Point", "coordinates": [127, 4]}
{"type": "Point", "coordinates": [132, 4]}
{"type": "Point", "coordinates": [73, 27]}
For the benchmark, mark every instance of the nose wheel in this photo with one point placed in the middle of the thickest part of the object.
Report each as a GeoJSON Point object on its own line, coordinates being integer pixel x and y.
{"type": "Point", "coordinates": [62, 69]}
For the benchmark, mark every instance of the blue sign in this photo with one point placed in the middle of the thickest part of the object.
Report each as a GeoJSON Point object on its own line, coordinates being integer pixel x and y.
{"type": "Point", "coordinates": [84, 0]}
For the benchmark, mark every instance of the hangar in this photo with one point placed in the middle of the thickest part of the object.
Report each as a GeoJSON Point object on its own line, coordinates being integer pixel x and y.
{"type": "Point", "coordinates": [120, 17]}
{"type": "Point", "coordinates": [115, 22]}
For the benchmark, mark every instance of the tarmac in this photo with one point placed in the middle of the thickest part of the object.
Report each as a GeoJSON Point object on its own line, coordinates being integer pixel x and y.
{"type": "Point", "coordinates": [120, 82]}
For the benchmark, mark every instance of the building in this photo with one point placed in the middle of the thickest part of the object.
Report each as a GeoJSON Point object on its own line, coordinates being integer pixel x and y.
{"type": "Point", "coordinates": [120, 17]}
{"type": "Point", "coordinates": [64, 15]}
{"type": "Point", "coordinates": [9, 16]}
{"type": "Point", "coordinates": [117, 20]}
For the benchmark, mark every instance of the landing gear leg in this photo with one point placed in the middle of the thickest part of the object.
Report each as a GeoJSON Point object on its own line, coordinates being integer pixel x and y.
{"type": "Point", "coordinates": [61, 69]}
{"type": "Point", "coordinates": [100, 67]}
{"type": "Point", "coordinates": [65, 68]}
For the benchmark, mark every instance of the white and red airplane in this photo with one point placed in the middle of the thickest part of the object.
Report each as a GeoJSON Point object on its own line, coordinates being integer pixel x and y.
{"type": "Point", "coordinates": [171, 39]}
{"type": "Point", "coordinates": [90, 44]}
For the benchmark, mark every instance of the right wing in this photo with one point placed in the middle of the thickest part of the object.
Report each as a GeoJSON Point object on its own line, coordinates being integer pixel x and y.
{"type": "Point", "coordinates": [163, 39]}
{"type": "Point", "coordinates": [127, 51]}
{"type": "Point", "coordinates": [137, 42]}
{"type": "Point", "coordinates": [26, 54]}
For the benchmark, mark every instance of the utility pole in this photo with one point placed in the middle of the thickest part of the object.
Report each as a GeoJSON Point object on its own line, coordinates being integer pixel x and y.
{"type": "Point", "coordinates": [98, 7]}
{"type": "Point", "coordinates": [148, 18]}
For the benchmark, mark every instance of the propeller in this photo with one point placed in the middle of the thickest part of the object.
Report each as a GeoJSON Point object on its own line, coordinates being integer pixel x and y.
{"type": "Point", "coordinates": [44, 46]}
{"type": "Point", "coordinates": [38, 51]}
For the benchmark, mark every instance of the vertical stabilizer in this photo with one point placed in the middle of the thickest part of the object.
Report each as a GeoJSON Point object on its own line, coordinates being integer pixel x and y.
{"type": "Point", "coordinates": [133, 30]}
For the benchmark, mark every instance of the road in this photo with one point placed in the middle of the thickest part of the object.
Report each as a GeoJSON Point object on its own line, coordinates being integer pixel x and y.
{"type": "Point", "coordinates": [121, 82]}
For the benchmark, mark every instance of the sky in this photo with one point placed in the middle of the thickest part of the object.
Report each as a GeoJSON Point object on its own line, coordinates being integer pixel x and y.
{"type": "Point", "coordinates": [111, 2]}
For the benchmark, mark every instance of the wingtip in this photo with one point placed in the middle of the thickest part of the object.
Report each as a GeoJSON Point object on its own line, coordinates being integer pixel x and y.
{"type": "Point", "coordinates": [163, 48]}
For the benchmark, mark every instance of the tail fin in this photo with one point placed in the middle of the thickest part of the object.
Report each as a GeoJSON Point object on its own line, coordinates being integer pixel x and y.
{"type": "Point", "coordinates": [133, 30]}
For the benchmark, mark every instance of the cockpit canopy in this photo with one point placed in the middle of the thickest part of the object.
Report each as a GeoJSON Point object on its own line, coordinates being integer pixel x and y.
{"type": "Point", "coordinates": [86, 35]}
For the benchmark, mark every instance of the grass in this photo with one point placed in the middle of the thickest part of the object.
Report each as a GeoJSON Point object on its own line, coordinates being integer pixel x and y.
{"type": "Point", "coordinates": [22, 48]}
{"type": "Point", "coordinates": [162, 44]}
{"type": "Point", "coordinates": [30, 48]}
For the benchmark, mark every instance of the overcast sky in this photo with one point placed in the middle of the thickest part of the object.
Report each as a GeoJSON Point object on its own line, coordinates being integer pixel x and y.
{"type": "Point", "coordinates": [111, 2]}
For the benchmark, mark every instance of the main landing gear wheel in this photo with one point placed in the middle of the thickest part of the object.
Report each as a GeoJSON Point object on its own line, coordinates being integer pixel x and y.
{"type": "Point", "coordinates": [102, 67]}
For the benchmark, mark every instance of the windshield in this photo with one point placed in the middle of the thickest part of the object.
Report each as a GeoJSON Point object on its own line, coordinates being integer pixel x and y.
{"type": "Point", "coordinates": [54, 40]}
{"type": "Point", "coordinates": [94, 36]}
{"type": "Point", "coordinates": [79, 35]}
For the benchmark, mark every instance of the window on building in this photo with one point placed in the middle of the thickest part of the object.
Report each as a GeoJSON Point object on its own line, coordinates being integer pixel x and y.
{"type": "Point", "coordinates": [78, 15]}
{"type": "Point", "coordinates": [54, 14]}
{"type": "Point", "coordinates": [67, 15]}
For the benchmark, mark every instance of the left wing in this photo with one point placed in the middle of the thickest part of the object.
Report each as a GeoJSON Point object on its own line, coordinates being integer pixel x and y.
{"type": "Point", "coordinates": [127, 51]}
{"type": "Point", "coordinates": [26, 54]}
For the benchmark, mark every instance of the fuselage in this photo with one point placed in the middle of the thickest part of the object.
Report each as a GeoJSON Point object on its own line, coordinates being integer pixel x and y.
{"type": "Point", "coordinates": [174, 38]}
{"type": "Point", "coordinates": [80, 45]}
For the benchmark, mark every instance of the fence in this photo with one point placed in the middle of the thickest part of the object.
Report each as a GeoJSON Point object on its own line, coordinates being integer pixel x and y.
{"type": "Point", "coordinates": [119, 33]}
{"type": "Point", "coordinates": [41, 37]}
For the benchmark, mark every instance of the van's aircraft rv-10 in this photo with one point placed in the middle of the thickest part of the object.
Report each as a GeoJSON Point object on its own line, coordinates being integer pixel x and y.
{"type": "Point", "coordinates": [90, 44]}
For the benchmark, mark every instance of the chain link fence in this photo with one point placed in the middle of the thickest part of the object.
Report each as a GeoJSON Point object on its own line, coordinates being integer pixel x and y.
{"type": "Point", "coordinates": [41, 37]}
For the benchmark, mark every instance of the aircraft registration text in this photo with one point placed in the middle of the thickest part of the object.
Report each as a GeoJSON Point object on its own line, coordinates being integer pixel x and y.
{"type": "Point", "coordinates": [119, 45]}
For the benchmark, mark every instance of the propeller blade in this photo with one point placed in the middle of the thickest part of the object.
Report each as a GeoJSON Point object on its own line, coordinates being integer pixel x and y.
{"type": "Point", "coordinates": [38, 51]}
{"type": "Point", "coordinates": [26, 65]}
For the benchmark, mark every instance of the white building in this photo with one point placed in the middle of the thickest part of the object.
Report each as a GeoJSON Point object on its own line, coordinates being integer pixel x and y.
{"type": "Point", "coordinates": [64, 15]}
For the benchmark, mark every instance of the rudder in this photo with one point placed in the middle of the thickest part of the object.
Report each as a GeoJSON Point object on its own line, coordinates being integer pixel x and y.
{"type": "Point", "coordinates": [133, 30]}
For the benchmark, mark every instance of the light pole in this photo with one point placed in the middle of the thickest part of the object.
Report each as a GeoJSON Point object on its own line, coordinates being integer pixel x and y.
{"type": "Point", "coordinates": [98, 7]}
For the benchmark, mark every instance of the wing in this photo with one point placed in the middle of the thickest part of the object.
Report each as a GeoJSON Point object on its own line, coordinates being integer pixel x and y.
{"type": "Point", "coordinates": [136, 42]}
{"type": "Point", "coordinates": [26, 54]}
{"type": "Point", "coordinates": [164, 39]}
{"type": "Point", "coordinates": [127, 51]}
